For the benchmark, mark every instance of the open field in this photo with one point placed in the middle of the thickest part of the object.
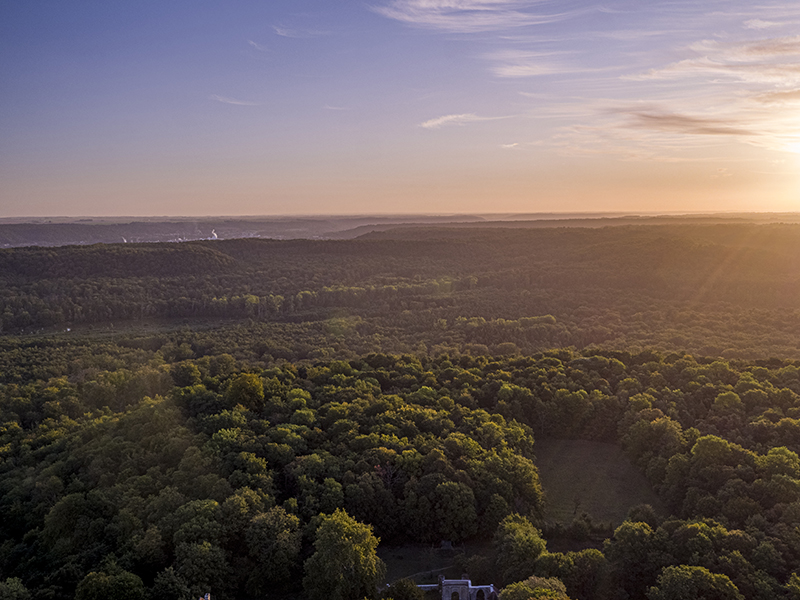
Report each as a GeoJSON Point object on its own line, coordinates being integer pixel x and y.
{"type": "Point", "coordinates": [593, 477]}
{"type": "Point", "coordinates": [577, 476]}
{"type": "Point", "coordinates": [423, 563]}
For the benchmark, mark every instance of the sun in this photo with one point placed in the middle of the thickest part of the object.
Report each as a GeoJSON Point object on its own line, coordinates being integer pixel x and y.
{"type": "Point", "coordinates": [792, 143]}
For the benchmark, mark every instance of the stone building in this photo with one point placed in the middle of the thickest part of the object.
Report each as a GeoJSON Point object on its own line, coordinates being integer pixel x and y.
{"type": "Point", "coordinates": [462, 589]}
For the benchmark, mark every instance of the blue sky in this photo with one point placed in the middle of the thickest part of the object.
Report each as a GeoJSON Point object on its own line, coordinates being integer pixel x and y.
{"type": "Point", "coordinates": [398, 106]}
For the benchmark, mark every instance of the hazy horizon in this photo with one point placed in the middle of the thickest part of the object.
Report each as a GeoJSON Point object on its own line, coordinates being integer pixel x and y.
{"type": "Point", "coordinates": [438, 107]}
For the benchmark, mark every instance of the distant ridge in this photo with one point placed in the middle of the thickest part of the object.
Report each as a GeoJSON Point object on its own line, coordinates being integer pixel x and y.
{"type": "Point", "coordinates": [64, 231]}
{"type": "Point", "coordinates": [404, 230]}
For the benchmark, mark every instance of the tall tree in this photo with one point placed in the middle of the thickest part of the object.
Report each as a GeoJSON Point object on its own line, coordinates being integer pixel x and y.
{"type": "Point", "coordinates": [273, 540]}
{"type": "Point", "coordinates": [517, 544]}
{"type": "Point", "coordinates": [345, 565]}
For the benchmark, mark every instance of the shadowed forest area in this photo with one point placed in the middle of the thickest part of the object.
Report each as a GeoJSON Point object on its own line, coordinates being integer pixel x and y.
{"type": "Point", "coordinates": [216, 416]}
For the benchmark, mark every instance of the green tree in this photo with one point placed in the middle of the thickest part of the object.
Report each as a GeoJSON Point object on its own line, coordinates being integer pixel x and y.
{"type": "Point", "coordinates": [168, 585]}
{"type": "Point", "coordinates": [248, 390]}
{"type": "Point", "coordinates": [633, 556]}
{"type": "Point", "coordinates": [403, 589]}
{"type": "Point", "coordinates": [102, 586]}
{"type": "Point", "coordinates": [345, 564]}
{"type": "Point", "coordinates": [793, 587]}
{"type": "Point", "coordinates": [454, 511]}
{"type": "Point", "coordinates": [518, 544]}
{"type": "Point", "coordinates": [688, 583]}
{"type": "Point", "coordinates": [203, 566]}
{"type": "Point", "coordinates": [535, 588]}
{"type": "Point", "coordinates": [185, 374]}
{"type": "Point", "coordinates": [588, 576]}
{"type": "Point", "coordinates": [13, 589]}
{"type": "Point", "coordinates": [273, 540]}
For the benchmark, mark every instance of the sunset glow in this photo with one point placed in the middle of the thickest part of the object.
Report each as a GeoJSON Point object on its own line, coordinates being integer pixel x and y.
{"type": "Point", "coordinates": [398, 106]}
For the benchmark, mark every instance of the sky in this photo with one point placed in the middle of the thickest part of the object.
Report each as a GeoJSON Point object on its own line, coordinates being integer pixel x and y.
{"type": "Point", "coordinates": [297, 107]}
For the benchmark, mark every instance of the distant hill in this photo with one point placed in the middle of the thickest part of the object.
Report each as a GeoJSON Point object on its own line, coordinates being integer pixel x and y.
{"type": "Point", "coordinates": [61, 231]}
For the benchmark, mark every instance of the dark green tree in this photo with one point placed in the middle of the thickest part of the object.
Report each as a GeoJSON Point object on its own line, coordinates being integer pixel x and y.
{"type": "Point", "coordinates": [247, 389]}
{"type": "Point", "coordinates": [13, 589]}
{"type": "Point", "coordinates": [185, 373]}
{"type": "Point", "coordinates": [102, 586]}
{"type": "Point", "coordinates": [454, 511]}
{"type": "Point", "coordinates": [403, 589]}
{"type": "Point", "coordinates": [517, 544]}
{"type": "Point", "coordinates": [273, 541]}
{"type": "Point", "coordinates": [345, 564]}
{"type": "Point", "coordinates": [633, 556]}
{"type": "Point", "coordinates": [168, 585]}
{"type": "Point", "coordinates": [204, 567]}
{"type": "Point", "coordinates": [683, 582]}
{"type": "Point", "coordinates": [535, 588]}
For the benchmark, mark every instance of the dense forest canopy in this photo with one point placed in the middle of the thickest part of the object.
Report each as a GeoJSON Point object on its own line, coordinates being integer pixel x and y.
{"type": "Point", "coordinates": [220, 415]}
{"type": "Point", "coordinates": [729, 290]}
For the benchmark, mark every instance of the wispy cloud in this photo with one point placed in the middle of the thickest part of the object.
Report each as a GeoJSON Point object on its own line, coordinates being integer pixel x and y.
{"type": "Point", "coordinates": [736, 80]}
{"type": "Point", "coordinates": [520, 70]}
{"type": "Point", "coordinates": [759, 24]}
{"type": "Point", "coordinates": [761, 61]}
{"type": "Point", "coordinates": [783, 97]}
{"type": "Point", "coordinates": [631, 35]}
{"type": "Point", "coordinates": [514, 64]}
{"type": "Point", "coordinates": [226, 100]}
{"type": "Point", "coordinates": [330, 107]}
{"type": "Point", "coordinates": [676, 123]}
{"type": "Point", "coordinates": [610, 137]}
{"type": "Point", "coordinates": [765, 48]}
{"type": "Point", "coordinates": [761, 108]}
{"type": "Point", "coordinates": [297, 33]}
{"type": "Point", "coordinates": [666, 131]}
{"type": "Point", "coordinates": [258, 46]}
{"type": "Point", "coordinates": [456, 120]}
{"type": "Point", "coordinates": [470, 16]}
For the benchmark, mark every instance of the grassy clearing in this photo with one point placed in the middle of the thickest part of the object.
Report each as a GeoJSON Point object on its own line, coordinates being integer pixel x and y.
{"type": "Point", "coordinates": [423, 563]}
{"type": "Point", "coordinates": [592, 477]}
{"type": "Point", "coordinates": [577, 476]}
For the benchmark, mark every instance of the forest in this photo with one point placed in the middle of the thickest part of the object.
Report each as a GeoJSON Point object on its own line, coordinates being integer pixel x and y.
{"type": "Point", "coordinates": [256, 418]}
